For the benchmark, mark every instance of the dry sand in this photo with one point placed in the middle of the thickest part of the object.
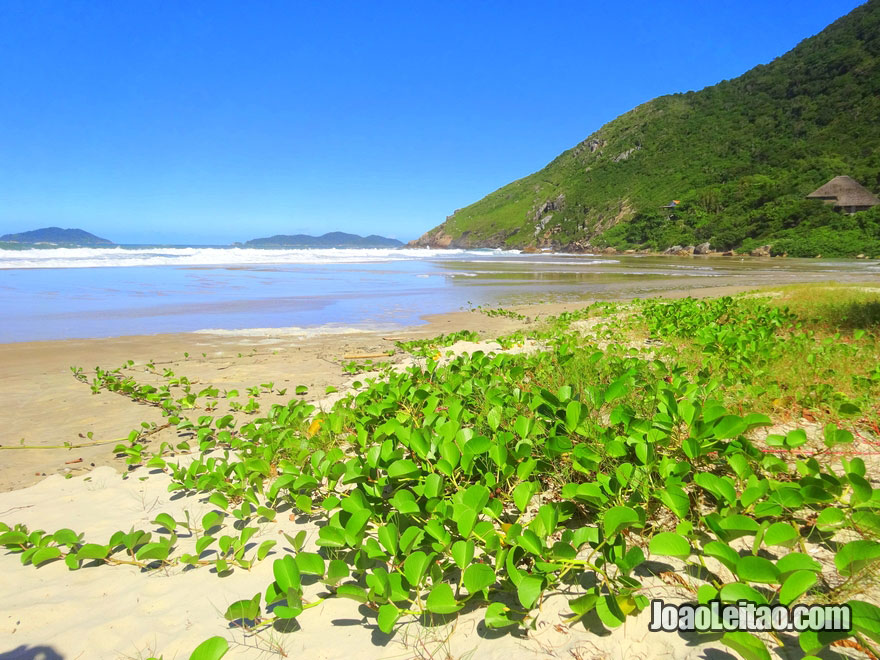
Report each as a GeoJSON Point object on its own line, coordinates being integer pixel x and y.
{"type": "Point", "coordinates": [121, 612]}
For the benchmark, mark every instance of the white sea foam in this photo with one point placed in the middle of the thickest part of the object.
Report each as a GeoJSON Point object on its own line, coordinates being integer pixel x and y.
{"type": "Point", "coordinates": [293, 331]}
{"type": "Point", "coordinates": [212, 256]}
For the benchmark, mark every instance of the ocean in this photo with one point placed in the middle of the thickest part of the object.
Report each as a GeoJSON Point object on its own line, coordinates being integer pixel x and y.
{"type": "Point", "coordinates": [67, 293]}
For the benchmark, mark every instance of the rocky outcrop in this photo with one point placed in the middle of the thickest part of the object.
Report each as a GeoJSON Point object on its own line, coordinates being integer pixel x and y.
{"type": "Point", "coordinates": [763, 251]}
{"type": "Point", "coordinates": [703, 248]}
{"type": "Point", "coordinates": [435, 239]}
{"type": "Point", "coordinates": [624, 155]}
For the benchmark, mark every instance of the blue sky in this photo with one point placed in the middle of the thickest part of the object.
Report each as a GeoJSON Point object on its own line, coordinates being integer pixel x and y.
{"type": "Point", "coordinates": [211, 122]}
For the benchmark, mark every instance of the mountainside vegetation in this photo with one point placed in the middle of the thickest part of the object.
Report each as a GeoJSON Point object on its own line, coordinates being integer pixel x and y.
{"type": "Point", "coordinates": [739, 156]}
{"type": "Point", "coordinates": [334, 239]}
{"type": "Point", "coordinates": [56, 235]}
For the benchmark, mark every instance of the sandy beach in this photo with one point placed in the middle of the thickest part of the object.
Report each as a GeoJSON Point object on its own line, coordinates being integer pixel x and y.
{"type": "Point", "coordinates": [124, 612]}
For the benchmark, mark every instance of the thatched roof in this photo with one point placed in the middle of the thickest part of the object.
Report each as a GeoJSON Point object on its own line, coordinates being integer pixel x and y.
{"type": "Point", "coordinates": [845, 191]}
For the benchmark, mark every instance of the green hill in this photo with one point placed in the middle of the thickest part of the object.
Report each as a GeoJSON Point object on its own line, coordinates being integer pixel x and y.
{"type": "Point", "coordinates": [740, 156]}
{"type": "Point", "coordinates": [56, 235]}
{"type": "Point", "coordinates": [334, 239]}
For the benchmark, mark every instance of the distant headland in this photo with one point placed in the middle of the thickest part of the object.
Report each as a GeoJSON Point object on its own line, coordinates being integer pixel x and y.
{"type": "Point", "coordinates": [334, 239]}
{"type": "Point", "coordinates": [56, 236]}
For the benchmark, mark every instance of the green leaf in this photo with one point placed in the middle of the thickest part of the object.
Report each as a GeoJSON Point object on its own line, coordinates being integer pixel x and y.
{"type": "Point", "coordinates": [676, 499]}
{"type": "Point", "coordinates": [855, 555]}
{"type": "Point", "coordinates": [796, 561]}
{"type": "Point", "coordinates": [353, 592]}
{"type": "Point", "coordinates": [583, 604]}
{"type": "Point", "coordinates": [746, 644]}
{"type": "Point", "coordinates": [529, 590]}
{"type": "Point", "coordinates": [523, 493]}
{"type": "Point", "coordinates": [337, 570]}
{"type": "Point", "coordinates": [865, 618]}
{"type": "Point", "coordinates": [723, 553]}
{"type": "Point", "coordinates": [154, 552]}
{"type": "Point", "coordinates": [477, 577]}
{"type": "Point", "coordinates": [43, 555]}
{"type": "Point", "coordinates": [670, 544]}
{"type": "Point", "coordinates": [403, 469]}
{"type": "Point", "coordinates": [493, 418]}
{"type": "Point", "coordinates": [415, 565]}
{"type": "Point", "coordinates": [310, 563]}
{"type": "Point", "coordinates": [463, 553]}
{"type": "Point", "coordinates": [609, 611]}
{"type": "Point", "coordinates": [780, 533]}
{"type": "Point", "coordinates": [388, 536]}
{"type": "Point", "coordinates": [166, 521]}
{"type": "Point", "coordinates": [330, 537]}
{"type": "Point", "coordinates": [264, 549]}
{"type": "Point", "coordinates": [757, 569]}
{"type": "Point", "coordinates": [441, 600]}
{"type": "Point", "coordinates": [736, 591]}
{"type": "Point", "coordinates": [729, 426]}
{"type": "Point", "coordinates": [213, 648]}
{"type": "Point", "coordinates": [618, 518]}
{"type": "Point", "coordinates": [66, 537]}
{"type": "Point", "coordinates": [93, 551]}
{"type": "Point", "coordinates": [405, 501]}
{"type": "Point", "coordinates": [248, 610]}
{"type": "Point", "coordinates": [210, 520]}
{"type": "Point", "coordinates": [387, 617]}
{"type": "Point", "coordinates": [433, 485]}
{"type": "Point", "coordinates": [286, 574]}
{"type": "Point", "coordinates": [496, 616]}
{"type": "Point", "coordinates": [476, 497]}
{"type": "Point", "coordinates": [795, 586]}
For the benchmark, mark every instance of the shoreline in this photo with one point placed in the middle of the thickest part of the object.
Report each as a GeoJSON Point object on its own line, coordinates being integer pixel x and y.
{"type": "Point", "coordinates": [53, 408]}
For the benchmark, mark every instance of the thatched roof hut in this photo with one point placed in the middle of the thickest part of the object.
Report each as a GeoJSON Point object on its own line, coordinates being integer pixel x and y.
{"type": "Point", "coordinates": [846, 193]}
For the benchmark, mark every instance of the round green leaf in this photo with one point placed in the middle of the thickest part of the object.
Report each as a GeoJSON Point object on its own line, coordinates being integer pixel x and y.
{"type": "Point", "coordinates": [387, 617]}
{"type": "Point", "coordinates": [529, 590]}
{"type": "Point", "coordinates": [619, 517]}
{"type": "Point", "coordinates": [780, 533]}
{"type": "Point", "coordinates": [213, 648]}
{"type": "Point", "coordinates": [855, 555]}
{"type": "Point", "coordinates": [757, 569]}
{"type": "Point", "coordinates": [477, 577]}
{"type": "Point", "coordinates": [670, 544]}
{"type": "Point", "coordinates": [496, 616]}
{"type": "Point", "coordinates": [441, 600]}
{"type": "Point", "coordinates": [747, 645]}
{"type": "Point", "coordinates": [42, 555]}
{"type": "Point", "coordinates": [795, 586]}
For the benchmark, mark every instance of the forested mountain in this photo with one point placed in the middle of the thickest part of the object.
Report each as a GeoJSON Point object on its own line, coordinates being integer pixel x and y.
{"type": "Point", "coordinates": [740, 158]}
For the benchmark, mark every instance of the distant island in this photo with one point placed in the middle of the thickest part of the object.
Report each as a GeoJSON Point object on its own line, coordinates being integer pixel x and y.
{"type": "Point", "coordinates": [56, 236]}
{"type": "Point", "coordinates": [334, 239]}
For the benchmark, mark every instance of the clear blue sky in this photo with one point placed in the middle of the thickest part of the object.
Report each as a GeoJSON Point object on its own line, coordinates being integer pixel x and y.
{"type": "Point", "coordinates": [210, 122]}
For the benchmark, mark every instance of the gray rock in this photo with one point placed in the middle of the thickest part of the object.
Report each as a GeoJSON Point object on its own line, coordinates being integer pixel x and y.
{"type": "Point", "coordinates": [763, 251]}
{"type": "Point", "coordinates": [703, 248]}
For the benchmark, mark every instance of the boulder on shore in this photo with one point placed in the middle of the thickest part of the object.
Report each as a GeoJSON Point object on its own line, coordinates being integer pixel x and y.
{"type": "Point", "coordinates": [703, 248]}
{"type": "Point", "coordinates": [763, 251]}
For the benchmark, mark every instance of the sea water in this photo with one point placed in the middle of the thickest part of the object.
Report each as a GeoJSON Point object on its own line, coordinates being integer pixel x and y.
{"type": "Point", "coordinates": [102, 292]}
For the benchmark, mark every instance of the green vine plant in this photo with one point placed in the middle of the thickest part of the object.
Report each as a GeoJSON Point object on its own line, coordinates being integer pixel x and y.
{"type": "Point", "coordinates": [496, 481]}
